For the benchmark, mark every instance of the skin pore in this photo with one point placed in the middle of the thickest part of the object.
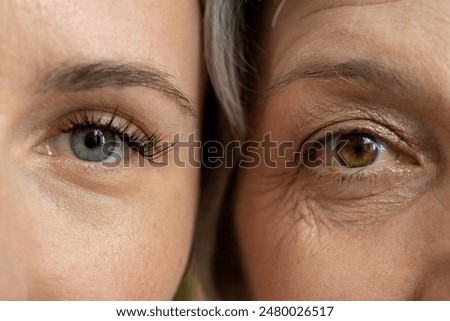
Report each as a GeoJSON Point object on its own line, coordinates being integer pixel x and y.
{"type": "Point", "coordinates": [71, 228]}
{"type": "Point", "coordinates": [370, 71]}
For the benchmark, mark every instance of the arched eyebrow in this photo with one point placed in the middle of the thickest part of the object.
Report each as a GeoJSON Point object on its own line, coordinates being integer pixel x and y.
{"type": "Point", "coordinates": [366, 73]}
{"type": "Point", "coordinates": [91, 76]}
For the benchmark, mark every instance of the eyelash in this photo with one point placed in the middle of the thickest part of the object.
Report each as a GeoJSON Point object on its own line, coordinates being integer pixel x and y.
{"type": "Point", "coordinates": [149, 146]}
{"type": "Point", "coordinates": [330, 135]}
{"type": "Point", "coordinates": [362, 174]}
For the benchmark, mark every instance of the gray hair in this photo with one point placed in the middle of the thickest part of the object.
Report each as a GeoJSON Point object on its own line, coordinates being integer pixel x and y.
{"type": "Point", "coordinates": [225, 58]}
{"type": "Point", "coordinates": [216, 261]}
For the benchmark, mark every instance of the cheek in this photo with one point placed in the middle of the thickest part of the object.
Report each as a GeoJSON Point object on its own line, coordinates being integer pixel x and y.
{"type": "Point", "coordinates": [300, 248]}
{"type": "Point", "coordinates": [80, 246]}
{"type": "Point", "coordinates": [99, 267]}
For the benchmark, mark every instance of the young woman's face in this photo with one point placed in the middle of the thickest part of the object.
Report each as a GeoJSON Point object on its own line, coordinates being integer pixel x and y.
{"type": "Point", "coordinates": [89, 90]}
{"type": "Point", "coordinates": [364, 213]}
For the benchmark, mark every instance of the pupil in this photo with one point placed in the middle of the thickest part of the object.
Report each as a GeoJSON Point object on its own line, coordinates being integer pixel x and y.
{"type": "Point", "coordinates": [358, 148]}
{"type": "Point", "coordinates": [93, 139]}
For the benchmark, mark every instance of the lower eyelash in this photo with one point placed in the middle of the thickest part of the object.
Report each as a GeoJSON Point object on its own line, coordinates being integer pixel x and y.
{"type": "Point", "coordinates": [360, 176]}
{"type": "Point", "coordinates": [149, 146]}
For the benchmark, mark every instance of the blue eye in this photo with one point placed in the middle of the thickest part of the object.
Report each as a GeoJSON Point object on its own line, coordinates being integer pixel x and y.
{"type": "Point", "coordinates": [104, 138]}
{"type": "Point", "coordinates": [93, 144]}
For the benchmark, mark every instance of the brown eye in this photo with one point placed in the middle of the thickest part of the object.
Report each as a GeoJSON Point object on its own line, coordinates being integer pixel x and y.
{"type": "Point", "coordinates": [357, 150]}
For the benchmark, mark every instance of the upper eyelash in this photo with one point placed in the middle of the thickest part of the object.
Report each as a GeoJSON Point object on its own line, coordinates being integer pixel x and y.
{"type": "Point", "coordinates": [340, 178]}
{"type": "Point", "coordinates": [149, 146]}
{"type": "Point", "coordinates": [301, 156]}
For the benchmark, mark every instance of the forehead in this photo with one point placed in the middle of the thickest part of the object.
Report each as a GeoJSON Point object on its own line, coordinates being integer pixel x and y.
{"type": "Point", "coordinates": [36, 34]}
{"type": "Point", "coordinates": [412, 32]}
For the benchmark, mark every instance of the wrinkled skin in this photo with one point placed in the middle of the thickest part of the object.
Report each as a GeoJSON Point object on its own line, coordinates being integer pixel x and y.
{"type": "Point", "coordinates": [380, 231]}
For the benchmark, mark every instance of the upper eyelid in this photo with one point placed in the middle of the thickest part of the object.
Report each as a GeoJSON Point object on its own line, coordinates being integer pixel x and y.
{"type": "Point", "coordinates": [327, 111]}
{"type": "Point", "coordinates": [344, 127]}
{"type": "Point", "coordinates": [150, 145]}
{"type": "Point", "coordinates": [320, 107]}
{"type": "Point", "coordinates": [377, 130]}
{"type": "Point", "coordinates": [103, 118]}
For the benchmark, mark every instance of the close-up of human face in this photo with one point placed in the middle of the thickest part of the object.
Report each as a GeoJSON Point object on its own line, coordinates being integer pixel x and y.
{"type": "Point", "coordinates": [79, 221]}
{"type": "Point", "coordinates": [362, 89]}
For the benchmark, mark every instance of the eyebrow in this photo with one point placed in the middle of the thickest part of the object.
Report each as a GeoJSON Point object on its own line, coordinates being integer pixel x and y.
{"type": "Point", "coordinates": [366, 73]}
{"type": "Point", "coordinates": [90, 76]}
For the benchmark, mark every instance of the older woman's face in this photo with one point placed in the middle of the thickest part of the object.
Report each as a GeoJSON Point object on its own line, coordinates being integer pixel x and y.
{"type": "Point", "coordinates": [364, 87]}
{"type": "Point", "coordinates": [79, 221]}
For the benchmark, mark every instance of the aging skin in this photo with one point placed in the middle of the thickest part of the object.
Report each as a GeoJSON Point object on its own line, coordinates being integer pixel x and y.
{"type": "Point", "coordinates": [375, 223]}
{"type": "Point", "coordinates": [73, 75]}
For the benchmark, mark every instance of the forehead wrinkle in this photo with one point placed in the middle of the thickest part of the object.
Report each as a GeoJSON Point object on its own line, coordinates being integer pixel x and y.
{"type": "Point", "coordinates": [311, 6]}
{"type": "Point", "coordinates": [291, 19]}
{"type": "Point", "coordinates": [287, 51]}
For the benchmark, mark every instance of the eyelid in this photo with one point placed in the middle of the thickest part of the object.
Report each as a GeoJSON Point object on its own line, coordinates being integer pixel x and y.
{"type": "Point", "coordinates": [95, 118]}
{"type": "Point", "coordinates": [149, 145]}
{"type": "Point", "coordinates": [59, 145]}
{"type": "Point", "coordinates": [381, 132]}
{"type": "Point", "coordinates": [321, 109]}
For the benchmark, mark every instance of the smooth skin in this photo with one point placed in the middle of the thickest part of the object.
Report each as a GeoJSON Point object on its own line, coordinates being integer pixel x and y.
{"type": "Point", "coordinates": [76, 230]}
{"type": "Point", "coordinates": [376, 232]}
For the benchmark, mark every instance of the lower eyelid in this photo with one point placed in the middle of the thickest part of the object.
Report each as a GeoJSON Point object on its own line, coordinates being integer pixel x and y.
{"type": "Point", "coordinates": [71, 174]}
{"type": "Point", "coordinates": [60, 146]}
{"type": "Point", "coordinates": [379, 174]}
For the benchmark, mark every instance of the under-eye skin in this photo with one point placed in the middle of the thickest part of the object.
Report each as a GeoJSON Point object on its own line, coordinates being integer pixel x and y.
{"type": "Point", "coordinates": [101, 137]}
